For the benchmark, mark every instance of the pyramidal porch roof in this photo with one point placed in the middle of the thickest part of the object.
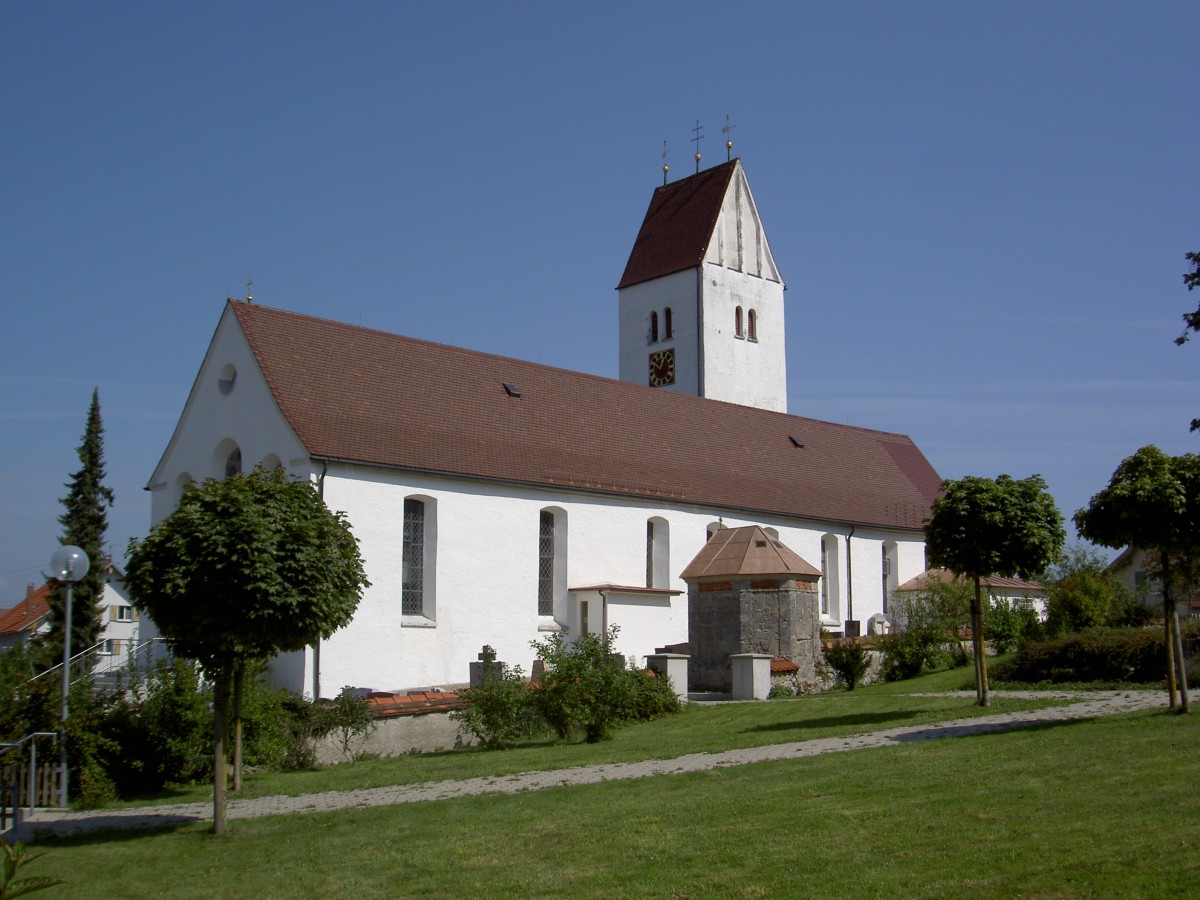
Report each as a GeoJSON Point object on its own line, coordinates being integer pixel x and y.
{"type": "Point", "coordinates": [746, 552]}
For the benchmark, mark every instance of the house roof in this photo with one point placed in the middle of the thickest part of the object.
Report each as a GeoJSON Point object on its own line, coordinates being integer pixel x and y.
{"type": "Point", "coordinates": [994, 582]}
{"type": "Point", "coordinates": [745, 552]}
{"type": "Point", "coordinates": [27, 614]}
{"type": "Point", "coordinates": [678, 225]}
{"type": "Point", "coordinates": [356, 395]}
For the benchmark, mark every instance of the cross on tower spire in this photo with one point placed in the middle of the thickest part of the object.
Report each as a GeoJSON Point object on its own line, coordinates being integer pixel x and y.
{"type": "Point", "coordinates": [698, 132]}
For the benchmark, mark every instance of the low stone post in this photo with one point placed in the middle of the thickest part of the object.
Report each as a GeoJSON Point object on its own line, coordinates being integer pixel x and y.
{"type": "Point", "coordinates": [675, 667]}
{"type": "Point", "coordinates": [751, 675]}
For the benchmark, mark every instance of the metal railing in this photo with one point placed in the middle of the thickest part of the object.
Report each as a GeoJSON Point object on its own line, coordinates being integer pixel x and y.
{"type": "Point", "coordinates": [110, 666]}
{"type": "Point", "coordinates": [18, 792]}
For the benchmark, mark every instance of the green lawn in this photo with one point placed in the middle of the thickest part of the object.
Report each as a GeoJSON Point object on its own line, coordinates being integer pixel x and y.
{"type": "Point", "coordinates": [699, 729]}
{"type": "Point", "coordinates": [1086, 809]}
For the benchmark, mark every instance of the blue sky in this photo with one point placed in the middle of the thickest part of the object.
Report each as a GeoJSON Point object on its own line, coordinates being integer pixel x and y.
{"type": "Point", "coordinates": [981, 210]}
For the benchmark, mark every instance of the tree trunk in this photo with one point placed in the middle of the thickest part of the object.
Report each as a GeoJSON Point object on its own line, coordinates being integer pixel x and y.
{"type": "Point", "coordinates": [977, 645]}
{"type": "Point", "coordinates": [1168, 631]}
{"type": "Point", "coordinates": [1181, 663]}
{"type": "Point", "coordinates": [220, 727]}
{"type": "Point", "coordinates": [239, 680]}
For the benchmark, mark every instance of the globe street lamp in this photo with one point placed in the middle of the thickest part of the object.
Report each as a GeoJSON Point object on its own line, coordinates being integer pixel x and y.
{"type": "Point", "coordinates": [68, 564]}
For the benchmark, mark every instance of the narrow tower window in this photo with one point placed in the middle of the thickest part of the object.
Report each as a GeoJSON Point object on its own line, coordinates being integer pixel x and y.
{"type": "Point", "coordinates": [654, 327]}
{"type": "Point", "coordinates": [752, 325]}
{"type": "Point", "coordinates": [737, 323]}
{"type": "Point", "coordinates": [668, 331]}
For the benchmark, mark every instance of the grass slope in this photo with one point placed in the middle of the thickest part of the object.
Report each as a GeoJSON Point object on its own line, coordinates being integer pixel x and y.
{"type": "Point", "coordinates": [1098, 808]}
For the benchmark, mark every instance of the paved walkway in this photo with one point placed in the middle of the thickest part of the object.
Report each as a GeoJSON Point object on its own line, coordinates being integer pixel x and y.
{"type": "Point", "coordinates": [1089, 705]}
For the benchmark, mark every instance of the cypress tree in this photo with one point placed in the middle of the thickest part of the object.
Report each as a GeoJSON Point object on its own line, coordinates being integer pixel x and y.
{"type": "Point", "coordinates": [84, 525]}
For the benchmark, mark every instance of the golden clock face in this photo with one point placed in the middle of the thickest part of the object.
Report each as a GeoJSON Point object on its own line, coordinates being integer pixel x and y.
{"type": "Point", "coordinates": [662, 368]}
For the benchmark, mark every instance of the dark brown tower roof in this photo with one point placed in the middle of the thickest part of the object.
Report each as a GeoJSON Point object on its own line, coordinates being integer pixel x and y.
{"type": "Point", "coordinates": [678, 225]}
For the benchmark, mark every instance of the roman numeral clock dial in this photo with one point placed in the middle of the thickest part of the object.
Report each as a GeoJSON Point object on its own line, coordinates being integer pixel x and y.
{"type": "Point", "coordinates": [662, 368]}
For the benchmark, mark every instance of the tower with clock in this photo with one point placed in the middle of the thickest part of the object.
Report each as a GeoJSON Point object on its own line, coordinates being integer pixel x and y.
{"type": "Point", "coordinates": [701, 299]}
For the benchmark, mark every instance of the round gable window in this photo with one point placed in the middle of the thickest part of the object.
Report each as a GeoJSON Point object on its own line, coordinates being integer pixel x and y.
{"type": "Point", "coordinates": [226, 379]}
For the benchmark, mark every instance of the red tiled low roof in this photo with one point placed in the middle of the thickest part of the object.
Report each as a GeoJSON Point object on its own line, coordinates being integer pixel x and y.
{"type": "Point", "coordinates": [942, 576]}
{"type": "Point", "coordinates": [361, 396]}
{"type": "Point", "coordinates": [781, 665]}
{"type": "Point", "coordinates": [678, 225]}
{"type": "Point", "coordinates": [26, 615]}
{"type": "Point", "coordinates": [413, 703]}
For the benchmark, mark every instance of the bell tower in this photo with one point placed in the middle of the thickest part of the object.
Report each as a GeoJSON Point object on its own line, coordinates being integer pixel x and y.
{"type": "Point", "coordinates": [701, 300]}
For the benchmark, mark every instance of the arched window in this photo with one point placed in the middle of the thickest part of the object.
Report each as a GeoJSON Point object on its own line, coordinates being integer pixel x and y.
{"type": "Point", "coordinates": [752, 326]}
{"type": "Point", "coordinates": [658, 553]}
{"type": "Point", "coordinates": [668, 330]}
{"type": "Point", "coordinates": [771, 532]}
{"type": "Point", "coordinates": [418, 558]}
{"type": "Point", "coordinates": [233, 462]}
{"type": "Point", "coordinates": [552, 560]}
{"type": "Point", "coordinates": [830, 579]}
{"type": "Point", "coordinates": [713, 528]}
{"type": "Point", "coordinates": [737, 323]}
{"type": "Point", "coordinates": [654, 327]}
{"type": "Point", "coordinates": [890, 553]}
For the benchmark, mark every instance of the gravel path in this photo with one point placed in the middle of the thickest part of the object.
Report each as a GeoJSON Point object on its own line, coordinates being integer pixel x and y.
{"type": "Point", "coordinates": [1089, 705]}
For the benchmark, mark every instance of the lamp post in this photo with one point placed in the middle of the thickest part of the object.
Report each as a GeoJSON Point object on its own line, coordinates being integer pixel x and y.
{"type": "Point", "coordinates": [68, 564]}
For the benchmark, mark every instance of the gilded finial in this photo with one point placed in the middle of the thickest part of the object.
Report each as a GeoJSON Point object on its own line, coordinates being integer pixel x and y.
{"type": "Point", "coordinates": [728, 132]}
{"type": "Point", "coordinates": [696, 140]}
{"type": "Point", "coordinates": [666, 168]}
{"type": "Point", "coordinates": [249, 284]}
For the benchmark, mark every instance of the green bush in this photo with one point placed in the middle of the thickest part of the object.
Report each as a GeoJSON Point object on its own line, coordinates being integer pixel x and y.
{"type": "Point", "coordinates": [1098, 654]}
{"type": "Point", "coordinates": [349, 717]}
{"type": "Point", "coordinates": [906, 654]}
{"type": "Point", "coordinates": [780, 692]}
{"type": "Point", "coordinates": [1007, 625]}
{"type": "Point", "coordinates": [653, 695]}
{"type": "Point", "coordinates": [849, 661]}
{"type": "Point", "coordinates": [585, 690]}
{"type": "Point", "coordinates": [501, 710]}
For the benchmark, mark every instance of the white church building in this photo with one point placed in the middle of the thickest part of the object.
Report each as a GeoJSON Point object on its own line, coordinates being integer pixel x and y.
{"type": "Point", "coordinates": [497, 500]}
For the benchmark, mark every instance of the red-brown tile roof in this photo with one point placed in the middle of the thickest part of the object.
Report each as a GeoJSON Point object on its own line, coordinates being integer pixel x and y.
{"type": "Point", "coordinates": [781, 665]}
{"type": "Point", "coordinates": [942, 576]}
{"type": "Point", "coordinates": [678, 225]}
{"type": "Point", "coordinates": [746, 552]}
{"type": "Point", "coordinates": [363, 396]}
{"type": "Point", "coordinates": [413, 703]}
{"type": "Point", "coordinates": [27, 614]}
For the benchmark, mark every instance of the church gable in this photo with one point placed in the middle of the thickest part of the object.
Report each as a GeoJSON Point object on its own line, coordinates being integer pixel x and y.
{"type": "Point", "coordinates": [738, 241]}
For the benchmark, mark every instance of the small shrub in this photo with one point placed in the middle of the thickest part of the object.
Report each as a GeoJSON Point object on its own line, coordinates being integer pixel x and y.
{"type": "Point", "coordinates": [1006, 625]}
{"type": "Point", "coordinates": [906, 654]}
{"type": "Point", "coordinates": [501, 710]}
{"type": "Point", "coordinates": [350, 719]}
{"type": "Point", "coordinates": [849, 661]}
{"type": "Point", "coordinates": [780, 692]}
{"type": "Point", "coordinates": [653, 694]}
{"type": "Point", "coordinates": [585, 689]}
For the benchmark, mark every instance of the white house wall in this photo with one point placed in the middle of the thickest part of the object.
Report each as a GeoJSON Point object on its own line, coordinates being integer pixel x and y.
{"type": "Point", "coordinates": [486, 576]}
{"type": "Point", "coordinates": [214, 421]}
{"type": "Point", "coordinates": [737, 369]}
{"type": "Point", "coordinates": [677, 291]}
